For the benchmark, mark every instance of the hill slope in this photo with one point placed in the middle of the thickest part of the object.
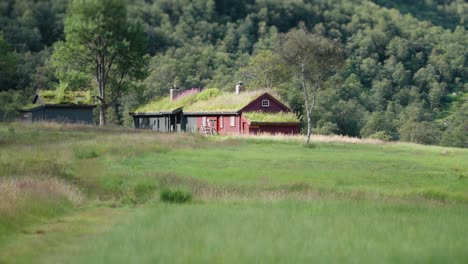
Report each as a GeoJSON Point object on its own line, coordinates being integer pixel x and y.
{"type": "Point", "coordinates": [401, 72]}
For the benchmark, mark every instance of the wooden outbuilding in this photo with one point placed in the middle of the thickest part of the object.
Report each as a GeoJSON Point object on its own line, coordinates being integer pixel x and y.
{"type": "Point", "coordinates": [67, 107]}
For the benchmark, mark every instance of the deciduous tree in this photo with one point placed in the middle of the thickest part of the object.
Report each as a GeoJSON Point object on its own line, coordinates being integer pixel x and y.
{"type": "Point", "coordinates": [313, 59]}
{"type": "Point", "coordinates": [101, 41]}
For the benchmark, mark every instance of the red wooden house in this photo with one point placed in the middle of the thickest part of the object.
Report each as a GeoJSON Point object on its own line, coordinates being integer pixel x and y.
{"type": "Point", "coordinates": [244, 113]}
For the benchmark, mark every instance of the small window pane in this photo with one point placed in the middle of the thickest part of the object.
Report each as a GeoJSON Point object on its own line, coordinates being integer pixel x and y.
{"type": "Point", "coordinates": [265, 103]}
{"type": "Point", "coordinates": [233, 121]}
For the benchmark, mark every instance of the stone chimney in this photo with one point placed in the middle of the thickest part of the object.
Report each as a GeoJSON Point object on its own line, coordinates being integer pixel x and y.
{"type": "Point", "coordinates": [174, 92]}
{"type": "Point", "coordinates": [239, 87]}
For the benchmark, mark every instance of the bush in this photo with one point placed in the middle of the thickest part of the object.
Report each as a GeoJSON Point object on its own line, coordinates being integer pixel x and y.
{"type": "Point", "coordinates": [382, 135]}
{"type": "Point", "coordinates": [176, 196]}
{"type": "Point", "coordinates": [423, 133]}
{"type": "Point", "coordinates": [327, 128]}
{"type": "Point", "coordinates": [456, 133]}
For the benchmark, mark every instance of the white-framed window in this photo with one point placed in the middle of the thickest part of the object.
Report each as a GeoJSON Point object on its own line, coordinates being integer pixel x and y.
{"type": "Point", "coordinates": [221, 121]}
{"type": "Point", "coordinates": [265, 103]}
{"type": "Point", "coordinates": [233, 121]}
{"type": "Point", "coordinates": [203, 121]}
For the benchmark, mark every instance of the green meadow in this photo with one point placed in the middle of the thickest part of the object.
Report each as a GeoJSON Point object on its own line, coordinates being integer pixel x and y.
{"type": "Point", "coordinates": [78, 194]}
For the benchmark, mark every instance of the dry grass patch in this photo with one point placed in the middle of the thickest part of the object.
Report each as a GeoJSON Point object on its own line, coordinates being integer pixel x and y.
{"type": "Point", "coordinates": [17, 194]}
{"type": "Point", "coordinates": [313, 138]}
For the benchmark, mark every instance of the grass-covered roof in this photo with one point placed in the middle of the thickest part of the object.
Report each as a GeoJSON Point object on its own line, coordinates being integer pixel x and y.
{"type": "Point", "coordinates": [208, 100]}
{"type": "Point", "coordinates": [57, 97]}
{"type": "Point", "coordinates": [278, 117]}
{"type": "Point", "coordinates": [225, 102]}
{"type": "Point", "coordinates": [165, 104]}
{"type": "Point", "coordinates": [65, 97]}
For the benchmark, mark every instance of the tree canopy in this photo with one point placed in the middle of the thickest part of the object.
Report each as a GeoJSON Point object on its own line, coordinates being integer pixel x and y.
{"type": "Point", "coordinates": [101, 42]}
{"type": "Point", "coordinates": [405, 70]}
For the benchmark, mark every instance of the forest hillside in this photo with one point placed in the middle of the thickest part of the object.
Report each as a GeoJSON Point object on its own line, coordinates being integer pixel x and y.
{"type": "Point", "coordinates": [404, 75]}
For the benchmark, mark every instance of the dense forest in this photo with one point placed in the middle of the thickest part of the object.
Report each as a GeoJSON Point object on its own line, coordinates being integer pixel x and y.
{"type": "Point", "coordinates": [405, 72]}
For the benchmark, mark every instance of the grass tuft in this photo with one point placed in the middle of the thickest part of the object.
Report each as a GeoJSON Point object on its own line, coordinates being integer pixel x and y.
{"type": "Point", "coordinates": [86, 153]}
{"type": "Point", "coordinates": [175, 196]}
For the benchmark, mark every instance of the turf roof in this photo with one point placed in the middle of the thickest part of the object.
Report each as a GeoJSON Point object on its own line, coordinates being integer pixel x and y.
{"type": "Point", "coordinates": [165, 104]}
{"type": "Point", "coordinates": [191, 103]}
{"type": "Point", "coordinates": [69, 97]}
{"type": "Point", "coordinates": [226, 102]}
{"type": "Point", "coordinates": [278, 117]}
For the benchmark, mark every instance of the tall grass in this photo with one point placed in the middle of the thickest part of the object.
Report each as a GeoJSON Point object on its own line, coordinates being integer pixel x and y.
{"type": "Point", "coordinates": [284, 232]}
{"type": "Point", "coordinates": [28, 200]}
{"type": "Point", "coordinates": [343, 195]}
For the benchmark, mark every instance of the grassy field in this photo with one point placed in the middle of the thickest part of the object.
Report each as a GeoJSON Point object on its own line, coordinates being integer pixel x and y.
{"type": "Point", "coordinates": [76, 194]}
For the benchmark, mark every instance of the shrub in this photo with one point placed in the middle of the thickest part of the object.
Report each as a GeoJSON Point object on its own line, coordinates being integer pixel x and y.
{"type": "Point", "coordinates": [327, 128]}
{"type": "Point", "coordinates": [423, 133]}
{"type": "Point", "coordinates": [382, 135]}
{"type": "Point", "coordinates": [176, 196]}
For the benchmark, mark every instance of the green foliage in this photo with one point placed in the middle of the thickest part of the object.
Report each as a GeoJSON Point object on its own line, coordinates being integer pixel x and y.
{"type": "Point", "coordinates": [8, 64]}
{"type": "Point", "coordinates": [413, 54]}
{"type": "Point", "coordinates": [327, 128]}
{"type": "Point", "coordinates": [378, 125]}
{"type": "Point", "coordinates": [175, 196]}
{"type": "Point", "coordinates": [456, 132]}
{"type": "Point", "coordinates": [207, 94]}
{"type": "Point", "coordinates": [265, 70]}
{"type": "Point", "coordinates": [382, 135]}
{"type": "Point", "coordinates": [60, 93]}
{"type": "Point", "coordinates": [424, 132]}
{"type": "Point", "coordinates": [99, 40]}
{"type": "Point", "coordinates": [75, 80]}
{"type": "Point", "coordinates": [10, 101]}
{"type": "Point", "coordinates": [313, 59]}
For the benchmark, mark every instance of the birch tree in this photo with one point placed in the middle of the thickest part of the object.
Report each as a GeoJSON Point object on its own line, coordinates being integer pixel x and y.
{"type": "Point", "coordinates": [313, 59]}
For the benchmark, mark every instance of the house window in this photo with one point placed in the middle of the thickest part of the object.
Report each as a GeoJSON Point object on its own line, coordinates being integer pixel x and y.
{"type": "Point", "coordinates": [265, 103]}
{"type": "Point", "coordinates": [221, 121]}
{"type": "Point", "coordinates": [233, 121]}
{"type": "Point", "coordinates": [204, 121]}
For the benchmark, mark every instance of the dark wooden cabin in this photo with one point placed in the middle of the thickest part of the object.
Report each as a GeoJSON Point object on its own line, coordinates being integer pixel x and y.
{"type": "Point", "coordinates": [165, 114]}
{"type": "Point", "coordinates": [71, 107]}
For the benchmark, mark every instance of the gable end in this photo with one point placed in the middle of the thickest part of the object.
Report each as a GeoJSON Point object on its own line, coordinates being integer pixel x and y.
{"type": "Point", "coordinates": [266, 103]}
